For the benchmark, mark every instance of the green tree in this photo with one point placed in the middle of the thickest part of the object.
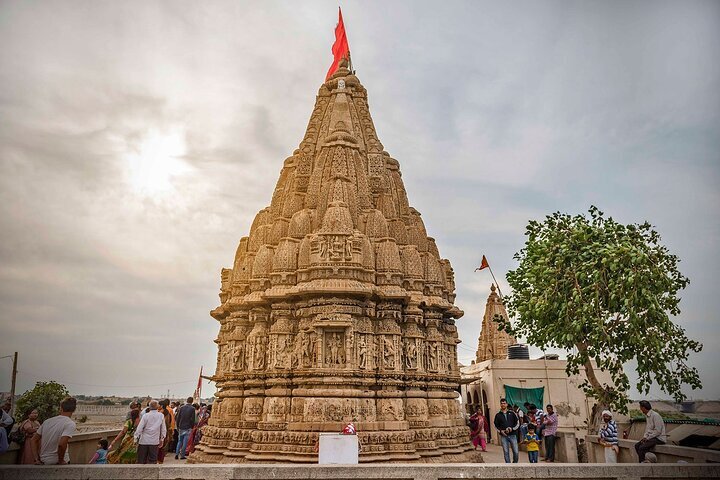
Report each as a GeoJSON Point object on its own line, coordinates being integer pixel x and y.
{"type": "Point", "coordinates": [45, 396]}
{"type": "Point", "coordinates": [605, 292]}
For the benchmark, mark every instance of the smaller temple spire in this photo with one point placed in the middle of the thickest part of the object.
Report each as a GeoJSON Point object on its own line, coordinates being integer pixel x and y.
{"type": "Point", "coordinates": [493, 343]}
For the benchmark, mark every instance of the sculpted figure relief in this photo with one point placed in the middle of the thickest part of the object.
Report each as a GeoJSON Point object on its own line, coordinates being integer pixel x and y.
{"type": "Point", "coordinates": [334, 351]}
{"type": "Point", "coordinates": [362, 352]}
{"type": "Point", "coordinates": [282, 355]}
{"type": "Point", "coordinates": [313, 349]}
{"type": "Point", "coordinates": [432, 356]}
{"type": "Point", "coordinates": [348, 249]}
{"type": "Point", "coordinates": [323, 248]}
{"type": "Point", "coordinates": [259, 353]}
{"type": "Point", "coordinates": [239, 356]}
{"type": "Point", "coordinates": [410, 353]}
{"type": "Point", "coordinates": [337, 248]}
{"type": "Point", "coordinates": [389, 358]}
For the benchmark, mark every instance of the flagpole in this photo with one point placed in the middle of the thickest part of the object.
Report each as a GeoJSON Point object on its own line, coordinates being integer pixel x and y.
{"type": "Point", "coordinates": [486, 264]}
{"type": "Point", "coordinates": [496, 282]}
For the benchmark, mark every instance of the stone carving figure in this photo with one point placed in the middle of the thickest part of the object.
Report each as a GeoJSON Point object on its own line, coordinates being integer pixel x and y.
{"type": "Point", "coordinates": [432, 357]}
{"type": "Point", "coordinates": [259, 360]}
{"type": "Point", "coordinates": [337, 248]}
{"type": "Point", "coordinates": [296, 353]}
{"type": "Point", "coordinates": [333, 344]}
{"type": "Point", "coordinates": [238, 356]}
{"type": "Point", "coordinates": [323, 248]}
{"type": "Point", "coordinates": [410, 353]}
{"type": "Point", "coordinates": [282, 357]}
{"type": "Point", "coordinates": [389, 358]}
{"type": "Point", "coordinates": [362, 352]}
{"type": "Point", "coordinates": [305, 349]}
{"type": "Point", "coordinates": [313, 348]}
{"type": "Point", "coordinates": [348, 249]}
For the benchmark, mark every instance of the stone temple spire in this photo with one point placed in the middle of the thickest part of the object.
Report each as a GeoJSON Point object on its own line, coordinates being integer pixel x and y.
{"type": "Point", "coordinates": [493, 344]}
{"type": "Point", "coordinates": [338, 307]}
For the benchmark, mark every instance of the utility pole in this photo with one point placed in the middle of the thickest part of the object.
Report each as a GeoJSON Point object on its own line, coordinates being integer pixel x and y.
{"type": "Point", "coordinates": [14, 380]}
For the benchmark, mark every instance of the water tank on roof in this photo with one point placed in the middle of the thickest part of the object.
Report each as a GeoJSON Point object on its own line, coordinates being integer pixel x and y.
{"type": "Point", "coordinates": [518, 352]}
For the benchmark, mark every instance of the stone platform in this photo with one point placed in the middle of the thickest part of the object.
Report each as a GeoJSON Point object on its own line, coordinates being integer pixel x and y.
{"type": "Point", "coordinates": [393, 471]}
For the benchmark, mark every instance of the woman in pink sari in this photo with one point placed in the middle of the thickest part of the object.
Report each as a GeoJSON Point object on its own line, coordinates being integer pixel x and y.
{"type": "Point", "coordinates": [477, 431]}
{"type": "Point", "coordinates": [29, 427]}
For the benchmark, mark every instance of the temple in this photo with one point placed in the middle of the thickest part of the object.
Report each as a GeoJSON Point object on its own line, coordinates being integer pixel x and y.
{"type": "Point", "coordinates": [338, 308]}
{"type": "Point", "coordinates": [493, 343]}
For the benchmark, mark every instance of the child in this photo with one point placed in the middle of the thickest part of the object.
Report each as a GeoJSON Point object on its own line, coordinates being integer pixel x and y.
{"type": "Point", "coordinates": [533, 443]}
{"type": "Point", "coordinates": [100, 456]}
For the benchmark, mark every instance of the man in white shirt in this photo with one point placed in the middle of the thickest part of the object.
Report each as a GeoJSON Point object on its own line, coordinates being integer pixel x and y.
{"type": "Point", "coordinates": [51, 439]}
{"type": "Point", "coordinates": [654, 431]}
{"type": "Point", "coordinates": [150, 434]}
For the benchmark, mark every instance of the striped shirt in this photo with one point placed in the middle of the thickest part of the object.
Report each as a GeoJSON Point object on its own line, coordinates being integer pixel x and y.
{"type": "Point", "coordinates": [608, 433]}
{"type": "Point", "coordinates": [551, 424]}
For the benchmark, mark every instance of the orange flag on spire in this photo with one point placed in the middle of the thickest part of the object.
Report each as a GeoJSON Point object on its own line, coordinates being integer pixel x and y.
{"type": "Point", "coordinates": [483, 264]}
{"type": "Point", "coordinates": [340, 48]}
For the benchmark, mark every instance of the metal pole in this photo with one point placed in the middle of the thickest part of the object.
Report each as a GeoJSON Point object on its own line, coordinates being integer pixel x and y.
{"type": "Point", "coordinates": [14, 381]}
{"type": "Point", "coordinates": [496, 282]}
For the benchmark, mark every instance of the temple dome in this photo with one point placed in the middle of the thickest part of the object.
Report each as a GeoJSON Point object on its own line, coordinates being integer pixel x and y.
{"type": "Point", "coordinates": [300, 224]}
{"type": "Point", "coordinates": [337, 219]}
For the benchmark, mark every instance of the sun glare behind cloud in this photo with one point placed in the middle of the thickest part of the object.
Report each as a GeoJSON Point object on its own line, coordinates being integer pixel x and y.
{"type": "Point", "coordinates": [155, 161]}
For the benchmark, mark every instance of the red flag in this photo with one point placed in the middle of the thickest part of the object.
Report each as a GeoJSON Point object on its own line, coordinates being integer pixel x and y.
{"type": "Point", "coordinates": [483, 264]}
{"type": "Point", "coordinates": [198, 390]}
{"type": "Point", "coordinates": [340, 48]}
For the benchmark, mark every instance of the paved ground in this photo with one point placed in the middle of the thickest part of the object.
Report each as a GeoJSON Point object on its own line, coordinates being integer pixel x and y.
{"type": "Point", "coordinates": [493, 455]}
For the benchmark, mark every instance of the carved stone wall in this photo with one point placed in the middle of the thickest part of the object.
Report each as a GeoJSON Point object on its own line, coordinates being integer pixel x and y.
{"type": "Point", "coordinates": [338, 307]}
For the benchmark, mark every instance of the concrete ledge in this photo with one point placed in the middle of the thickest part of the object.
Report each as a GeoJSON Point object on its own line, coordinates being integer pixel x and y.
{"type": "Point", "coordinates": [82, 447]}
{"type": "Point", "coordinates": [665, 453]}
{"type": "Point", "coordinates": [393, 471]}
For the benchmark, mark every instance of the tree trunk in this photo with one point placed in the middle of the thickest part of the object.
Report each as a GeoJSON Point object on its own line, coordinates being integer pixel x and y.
{"type": "Point", "coordinates": [595, 416]}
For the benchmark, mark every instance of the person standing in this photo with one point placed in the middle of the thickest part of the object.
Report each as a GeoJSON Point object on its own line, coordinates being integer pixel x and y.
{"type": "Point", "coordinates": [173, 433]}
{"type": "Point", "coordinates": [127, 451]}
{"type": "Point", "coordinates": [185, 421]}
{"type": "Point", "coordinates": [169, 424]}
{"type": "Point", "coordinates": [6, 420]}
{"type": "Point", "coordinates": [4, 445]}
{"type": "Point", "coordinates": [533, 443]}
{"type": "Point", "coordinates": [477, 431]}
{"type": "Point", "coordinates": [53, 436]}
{"type": "Point", "coordinates": [507, 423]}
{"type": "Point", "coordinates": [654, 431]}
{"type": "Point", "coordinates": [520, 415]}
{"type": "Point", "coordinates": [29, 428]}
{"type": "Point", "coordinates": [608, 437]}
{"type": "Point", "coordinates": [535, 416]}
{"type": "Point", "coordinates": [150, 434]}
{"type": "Point", "coordinates": [550, 426]}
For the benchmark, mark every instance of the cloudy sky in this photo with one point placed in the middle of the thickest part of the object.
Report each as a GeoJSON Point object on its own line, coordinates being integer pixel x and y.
{"type": "Point", "coordinates": [139, 138]}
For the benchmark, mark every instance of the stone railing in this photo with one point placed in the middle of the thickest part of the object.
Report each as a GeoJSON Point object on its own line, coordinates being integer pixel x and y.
{"type": "Point", "coordinates": [393, 471]}
{"type": "Point", "coordinates": [664, 453]}
{"type": "Point", "coordinates": [101, 410]}
{"type": "Point", "coordinates": [82, 447]}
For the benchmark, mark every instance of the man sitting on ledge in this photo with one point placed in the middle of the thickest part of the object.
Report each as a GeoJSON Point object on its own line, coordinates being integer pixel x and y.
{"type": "Point", "coordinates": [654, 431]}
